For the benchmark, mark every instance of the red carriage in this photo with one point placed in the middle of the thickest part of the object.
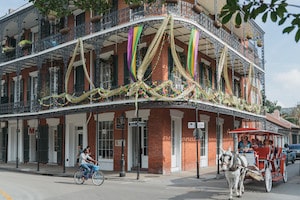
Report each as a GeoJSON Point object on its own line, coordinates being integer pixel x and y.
{"type": "Point", "coordinates": [266, 162]}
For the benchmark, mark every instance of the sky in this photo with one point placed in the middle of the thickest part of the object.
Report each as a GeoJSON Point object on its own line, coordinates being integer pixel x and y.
{"type": "Point", "coordinates": [282, 64]}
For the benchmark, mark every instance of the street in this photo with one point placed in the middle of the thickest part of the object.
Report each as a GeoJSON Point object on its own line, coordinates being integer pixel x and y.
{"type": "Point", "coordinates": [22, 186]}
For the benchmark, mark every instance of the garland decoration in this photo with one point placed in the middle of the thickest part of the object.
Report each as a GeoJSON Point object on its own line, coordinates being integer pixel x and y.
{"type": "Point", "coordinates": [165, 91]}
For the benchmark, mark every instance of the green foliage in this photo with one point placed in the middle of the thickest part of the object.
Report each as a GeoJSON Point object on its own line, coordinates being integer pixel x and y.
{"type": "Point", "coordinates": [271, 106]}
{"type": "Point", "coordinates": [45, 6]}
{"type": "Point", "coordinates": [100, 6]}
{"type": "Point", "coordinates": [275, 10]}
{"type": "Point", "coordinates": [139, 2]}
{"type": "Point", "coordinates": [61, 7]}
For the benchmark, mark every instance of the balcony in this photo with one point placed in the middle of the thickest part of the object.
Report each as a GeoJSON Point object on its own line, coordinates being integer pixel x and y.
{"type": "Point", "coordinates": [117, 18]}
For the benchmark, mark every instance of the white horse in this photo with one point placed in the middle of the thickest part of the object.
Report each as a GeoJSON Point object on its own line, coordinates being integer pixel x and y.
{"type": "Point", "coordinates": [235, 168]}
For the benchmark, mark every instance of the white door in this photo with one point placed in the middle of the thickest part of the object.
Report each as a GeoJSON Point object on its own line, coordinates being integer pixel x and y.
{"type": "Point", "coordinates": [79, 141]}
{"type": "Point", "coordinates": [175, 144]}
{"type": "Point", "coordinates": [204, 148]}
{"type": "Point", "coordinates": [139, 146]}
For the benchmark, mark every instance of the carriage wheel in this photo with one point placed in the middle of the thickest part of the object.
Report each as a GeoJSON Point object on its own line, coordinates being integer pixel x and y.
{"type": "Point", "coordinates": [268, 180]}
{"type": "Point", "coordinates": [284, 173]}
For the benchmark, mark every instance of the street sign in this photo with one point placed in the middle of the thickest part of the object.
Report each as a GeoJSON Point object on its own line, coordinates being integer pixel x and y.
{"type": "Point", "coordinates": [137, 123]}
{"type": "Point", "coordinates": [193, 125]}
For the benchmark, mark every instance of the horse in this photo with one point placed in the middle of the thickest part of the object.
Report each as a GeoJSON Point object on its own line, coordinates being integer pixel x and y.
{"type": "Point", "coordinates": [235, 167]}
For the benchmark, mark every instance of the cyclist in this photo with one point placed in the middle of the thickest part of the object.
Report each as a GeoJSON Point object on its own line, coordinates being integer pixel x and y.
{"type": "Point", "coordinates": [86, 161]}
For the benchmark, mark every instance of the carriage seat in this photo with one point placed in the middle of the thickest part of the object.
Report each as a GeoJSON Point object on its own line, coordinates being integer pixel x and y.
{"type": "Point", "coordinates": [251, 158]}
{"type": "Point", "coordinates": [263, 156]}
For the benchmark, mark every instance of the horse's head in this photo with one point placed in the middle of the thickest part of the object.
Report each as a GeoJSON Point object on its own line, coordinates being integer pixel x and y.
{"type": "Point", "coordinates": [226, 160]}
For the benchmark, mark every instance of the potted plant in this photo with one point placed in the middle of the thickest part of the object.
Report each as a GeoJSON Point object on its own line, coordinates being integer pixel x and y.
{"type": "Point", "coordinates": [7, 49]}
{"type": "Point", "coordinates": [198, 8]}
{"type": "Point", "coordinates": [249, 36]}
{"type": "Point", "coordinates": [217, 24]}
{"type": "Point", "coordinates": [259, 43]}
{"type": "Point", "coordinates": [64, 30]}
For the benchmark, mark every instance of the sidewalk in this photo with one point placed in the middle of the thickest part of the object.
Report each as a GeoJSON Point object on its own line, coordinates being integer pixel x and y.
{"type": "Point", "coordinates": [55, 170]}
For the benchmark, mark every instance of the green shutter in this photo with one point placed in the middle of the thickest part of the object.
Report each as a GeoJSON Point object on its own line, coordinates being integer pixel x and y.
{"type": "Point", "coordinates": [114, 73]}
{"type": "Point", "coordinates": [126, 72]}
{"type": "Point", "coordinates": [170, 64]}
{"type": "Point", "coordinates": [26, 144]}
{"type": "Point", "coordinates": [29, 89]}
{"type": "Point", "coordinates": [43, 143]}
{"type": "Point", "coordinates": [201, 69]}
{"type": "Point", "coordinates": [59, 147]}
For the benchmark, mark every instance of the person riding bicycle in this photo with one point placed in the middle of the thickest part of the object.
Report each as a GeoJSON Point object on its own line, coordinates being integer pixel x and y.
{"type": "Point", "coordinates": [86, 161]}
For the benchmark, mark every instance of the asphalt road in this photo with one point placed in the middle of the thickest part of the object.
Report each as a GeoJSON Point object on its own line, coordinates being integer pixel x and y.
{"type": "Point", "coordinates": [21, 186]}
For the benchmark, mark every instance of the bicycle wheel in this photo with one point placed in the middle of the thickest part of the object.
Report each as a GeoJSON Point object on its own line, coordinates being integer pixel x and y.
{"type": "Point", "coordinates": [98, 178]}
{"type": "Point", "coordinates": [79, 177]}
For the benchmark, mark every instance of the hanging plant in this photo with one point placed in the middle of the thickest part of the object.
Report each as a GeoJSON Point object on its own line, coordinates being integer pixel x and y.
{"type": "Point", "coordinates": [217, 24]}
{"type": "Point", "coordinates": [198, 8]}
{"type": "Point", "coordinates": [64, 31]}
{"type": "Point", "coordinates": [24, 44]}
{"type": "Point", "coordinates": [259, 43]}
{"type": "Point", "coordinates": [249, 36]}
{"type": "Point", "coordinates": [7, 49]}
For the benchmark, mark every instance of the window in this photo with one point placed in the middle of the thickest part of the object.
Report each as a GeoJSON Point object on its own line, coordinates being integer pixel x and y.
{"type": "Point", "coordinates": [145, 140]}
{"type": "Point", "coordinates": [106, 73]}
{"type": "Point", "coordinates": [17, 89]}
{"type": "Point", "coordinates": [32, 89]}
{"type": "Point", "coordinates": [173, 137]}
{"type": "Point", "coordinates": [237, 88]}
{"type": "Point", "coordinates": [205, 75]}
{"type": "Point", "coordinates": [53, 80]}
{"type": "Point", "coordinates": [174, 74]}
{"type": "Point", "coordinates": [106, 140]}
{"type": "Point", "coordinates": [79, 80]}
{"type": "Point", "coordinates": [80, 25]}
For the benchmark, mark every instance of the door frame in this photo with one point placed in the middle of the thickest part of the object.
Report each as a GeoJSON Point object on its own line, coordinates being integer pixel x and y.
{"type": "Point", "coordinates": [176, 116]}
{"type": "Point", "coordinates": [143, 115]}
{"type": "Point", "coordinates": [204, 158]}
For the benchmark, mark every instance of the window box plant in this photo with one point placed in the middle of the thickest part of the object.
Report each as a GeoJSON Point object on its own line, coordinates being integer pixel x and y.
{"type": "Point", "coordinates": [198, 8]}
{"type": "Point", "coordinates": [64, 30]}
{"type": "Point", "coordinates": [259, 43]}
{"type": "Point", "coordinates": [7, 49]}
{"type": "Point", "coordinates": [24, 44]}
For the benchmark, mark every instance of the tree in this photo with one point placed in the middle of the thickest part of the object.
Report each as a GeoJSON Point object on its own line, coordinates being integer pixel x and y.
{"type": "Point", "coordinates": [62, 7]}
{"type": "Point", "coordinates": [276, 10]}
{"type": "Point", "coordinates": [271, 106]}
{"type": "Point", "coordinates": [296, 114]}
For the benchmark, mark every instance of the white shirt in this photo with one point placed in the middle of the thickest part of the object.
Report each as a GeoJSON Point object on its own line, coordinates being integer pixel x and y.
{"type": "Point", "coordinates": [83, 158]}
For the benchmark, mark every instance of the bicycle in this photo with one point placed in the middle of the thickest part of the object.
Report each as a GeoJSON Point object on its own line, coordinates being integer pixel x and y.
{"type": "Point", "coordinates": [95, 174]}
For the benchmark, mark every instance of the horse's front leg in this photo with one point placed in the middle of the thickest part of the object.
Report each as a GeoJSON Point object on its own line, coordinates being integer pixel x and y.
{"type": "Point", "coordinates": [242, 179]}
{"type": "Point", "coordinates": [230, 184]}
{"type": "Point", "coordinates": [236, 183]}
{"type": "Point", "coordinates": [230, 190]}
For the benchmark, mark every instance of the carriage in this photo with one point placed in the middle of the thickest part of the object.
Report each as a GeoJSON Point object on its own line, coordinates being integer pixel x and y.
{"type": "Point", "coordinates": [265, 163]}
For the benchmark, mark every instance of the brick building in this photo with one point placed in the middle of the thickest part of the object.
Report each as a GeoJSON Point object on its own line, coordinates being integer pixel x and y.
{"type": "Point", "coordinates": [70, 81]}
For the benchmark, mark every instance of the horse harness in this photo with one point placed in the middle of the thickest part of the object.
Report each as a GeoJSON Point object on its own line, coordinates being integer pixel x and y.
{"type": "Point", "coordinates": [234, 164]}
